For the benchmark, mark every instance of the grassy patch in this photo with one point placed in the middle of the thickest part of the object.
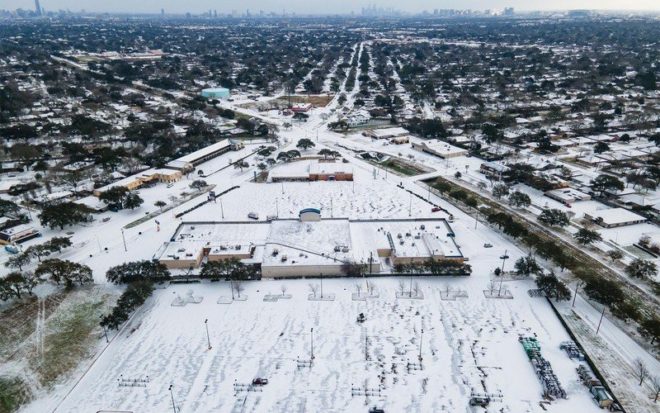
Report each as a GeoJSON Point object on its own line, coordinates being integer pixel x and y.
{"type": "Point", "coordinates": [13, 394]}
{"type": "Point", "coordinates": [401, 168]}
{"type": "Point", "coordinates": [69, 336]}
{"type": "Point", "coordinates": [18, 321]}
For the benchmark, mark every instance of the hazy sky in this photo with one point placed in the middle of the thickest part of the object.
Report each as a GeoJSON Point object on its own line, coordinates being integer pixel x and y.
{"type": "Point", "coordinates": [322, 6]}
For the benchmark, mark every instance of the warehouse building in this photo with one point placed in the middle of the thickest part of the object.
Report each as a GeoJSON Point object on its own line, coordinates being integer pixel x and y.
{"type": "Point", "coordinates": [312, 170]}
{"type": "Point", "coordinates": [188, 162]}
{"type": "Point", "coordinates": [614, 217]}
{"type": "Point", "coordinates": [311, 246]}
{"type": "Point", "coordinates": [440, 149]}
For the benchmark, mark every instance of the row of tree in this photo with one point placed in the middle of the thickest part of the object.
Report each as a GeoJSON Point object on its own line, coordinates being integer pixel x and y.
{"type": "Point", "coordinates": [18, 283]}
{"type": "Point", "coordinates": [597, 287]}
{"type": "Point", "coordinates": [54, 245]}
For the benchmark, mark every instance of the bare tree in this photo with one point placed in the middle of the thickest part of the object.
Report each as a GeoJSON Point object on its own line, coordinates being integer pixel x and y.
{"type": "Point", "coordinates": [655, 384]}
{"type": "Point", "coordinates": [358, 289]}
{"type": "Point", "coordinates": [641, 371]}
{"type": "Point", "coordinates": [283, 288]}
{"type": "Point", "coordinates": [314, 288]}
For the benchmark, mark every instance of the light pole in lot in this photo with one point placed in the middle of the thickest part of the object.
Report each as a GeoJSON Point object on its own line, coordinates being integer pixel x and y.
{"type": "Point", "coordinates": [208, 338]}
{"type": "Point", "coordinates": [504, 257]}
{"type": "Point", "coordinates": [311, 342]}
{"type": "Point", "coordinates": [222, 209]}
{"type": "Point", "coordinates": [421, 337]}
{"type": "Point", "coordinates": [172, 396]}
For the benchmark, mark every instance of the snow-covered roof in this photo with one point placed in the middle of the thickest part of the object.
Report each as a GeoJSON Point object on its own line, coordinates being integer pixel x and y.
{"type": "Point", "coordinates": [616, 216]}
{"type": "Point", "coordinates": [324, 168]}
{"type": "Point", "coordinates": [194, 156]}
{"type": "Point", "coordinates": [388, 132]}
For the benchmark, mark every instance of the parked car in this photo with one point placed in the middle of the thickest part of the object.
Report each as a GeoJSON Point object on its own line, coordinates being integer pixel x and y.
{"type": "Point", "coordinates": [488, 245]}
{"type": "Point", "coordinates": [376, 410]}
{"type": "Point", "coordinates": [436, 209]}
{"type": "Point", "coordinates": [259, 381]}
{"type": "Point", "coordinates": [12, 249]}
{"type": "Point", "coordinates": [253, 215]}
{"type": "Point", "coordinates": [106, 219]}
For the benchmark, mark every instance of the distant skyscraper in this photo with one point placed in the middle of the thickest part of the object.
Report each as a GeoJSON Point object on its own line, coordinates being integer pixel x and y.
{"type": "Point", "coordinates": [37, 7]}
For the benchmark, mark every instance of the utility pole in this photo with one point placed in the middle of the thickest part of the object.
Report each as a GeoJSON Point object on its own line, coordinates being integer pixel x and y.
{"type": "Point", "coordinates": [311, 343]}
{"type": "Point", "coordinates": [410, 206]}
{"type": "Point", "coordinates": [208, 338]}
{"type": "Point", "coordinates": [601, 320]}
{"type": "Point", "coordinates": [123, 237]}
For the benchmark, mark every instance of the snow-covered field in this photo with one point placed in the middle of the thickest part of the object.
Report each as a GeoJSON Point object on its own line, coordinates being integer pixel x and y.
{"type": "Point", "coordinates": [468, 345]}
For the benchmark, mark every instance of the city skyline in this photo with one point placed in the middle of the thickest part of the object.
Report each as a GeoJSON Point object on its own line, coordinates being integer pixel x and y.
{"type": "Point", "coordinates": [337, 7]}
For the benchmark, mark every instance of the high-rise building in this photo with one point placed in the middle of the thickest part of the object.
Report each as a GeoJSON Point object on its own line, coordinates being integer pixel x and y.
{"type": "Point", "coordinates": [37, 7]}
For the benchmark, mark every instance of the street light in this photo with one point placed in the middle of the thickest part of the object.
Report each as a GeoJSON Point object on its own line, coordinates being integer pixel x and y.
{"type": "Point", "coordinates": [504, 257]}
{"type": "Point", "coordinates": [172, 395]}
{"type": "Point", "coordinates": [208, 338]}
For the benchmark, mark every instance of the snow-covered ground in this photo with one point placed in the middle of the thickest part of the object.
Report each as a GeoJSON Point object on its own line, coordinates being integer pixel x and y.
{"type": "Point", "coordinates": [468, 345]}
